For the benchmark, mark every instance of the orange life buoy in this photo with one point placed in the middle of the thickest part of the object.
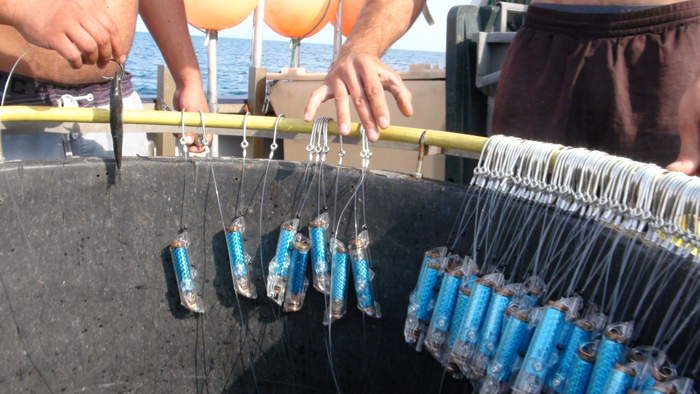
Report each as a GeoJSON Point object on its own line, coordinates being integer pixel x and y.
{"type": "Point", "coordinates": [299, 18]}
{"type": "Point", "coordinates": [218, 14]}
{"type": "Point", "coordinates": [351, 10]}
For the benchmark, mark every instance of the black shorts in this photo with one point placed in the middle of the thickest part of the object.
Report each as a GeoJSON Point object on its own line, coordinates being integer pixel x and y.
{"type": "Point", "coordinates": [611, 82]}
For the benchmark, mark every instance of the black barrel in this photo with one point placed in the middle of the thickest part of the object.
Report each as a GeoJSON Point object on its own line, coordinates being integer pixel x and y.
{"type": "Point", "coordinates": [92, 304]}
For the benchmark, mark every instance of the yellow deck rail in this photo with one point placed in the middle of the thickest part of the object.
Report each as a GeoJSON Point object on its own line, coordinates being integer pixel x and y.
{"type": "Point", "coordinates": [410, 135]}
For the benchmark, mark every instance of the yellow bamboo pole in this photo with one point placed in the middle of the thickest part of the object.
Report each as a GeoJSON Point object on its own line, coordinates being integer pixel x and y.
{"type": "Point", "coordinates": [443, 139]}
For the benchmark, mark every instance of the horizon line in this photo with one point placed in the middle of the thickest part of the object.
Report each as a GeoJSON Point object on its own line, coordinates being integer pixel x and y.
{"type": "Point", "coordinates": [200, 34]}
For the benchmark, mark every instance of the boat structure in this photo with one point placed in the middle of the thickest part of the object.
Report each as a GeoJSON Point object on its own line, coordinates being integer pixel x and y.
{"type": "Point", "coordinates": [290, 260]}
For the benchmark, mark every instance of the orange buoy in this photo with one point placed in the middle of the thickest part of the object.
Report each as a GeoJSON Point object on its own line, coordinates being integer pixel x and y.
{"type": "Point", "coordinates": [351, 10]}
{"type": "Point", "coordinates": [218, 14]}
{"type": "Point", "coordinates": [299, 18]}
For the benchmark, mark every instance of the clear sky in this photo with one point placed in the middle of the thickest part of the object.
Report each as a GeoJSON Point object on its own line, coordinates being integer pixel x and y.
{"type": "Point", "coordinates": [421, 37]}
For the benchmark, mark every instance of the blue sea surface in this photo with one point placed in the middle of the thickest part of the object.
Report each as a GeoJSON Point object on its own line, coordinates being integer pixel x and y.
{"type": "Point", "coordinates": [234, 61]}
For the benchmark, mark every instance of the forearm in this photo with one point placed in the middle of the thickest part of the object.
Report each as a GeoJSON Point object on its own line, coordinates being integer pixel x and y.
{"type": "Point", "coordinates": [380, 24]}
{"type": "Point", "coordinates": [167, 24]}
{"type": "Point", "coordinates": [7, 10]}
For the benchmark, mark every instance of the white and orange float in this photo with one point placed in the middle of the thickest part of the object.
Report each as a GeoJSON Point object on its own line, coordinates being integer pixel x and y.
{"type": "Point", "coordinates": [218, 14]}
{"type": "Point", "coordinates": [299, 18]}
{"type": "Point", "coordinates": [351, 10]}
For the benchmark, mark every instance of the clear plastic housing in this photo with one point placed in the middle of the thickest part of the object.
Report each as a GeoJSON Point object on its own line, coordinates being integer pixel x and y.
{"type": "Point", "coordinates": [298, 283]}
{"type": "Point", "coordinates": [364, 276]}
{"type": "Point", "coordinates": [423, 298]}
{"type": "Point", "coordinates": [185, 274]}
{"type": "Point", "coordinates": [441, 321]}
{"type": "Point", "coordinates": [278, 269]}
{"type": "Point", "coordinates": [319, 253]}
{"type": "Point", "coordinates": [240, 260]}
{"type": "Point", "coordinates": [336, 307]}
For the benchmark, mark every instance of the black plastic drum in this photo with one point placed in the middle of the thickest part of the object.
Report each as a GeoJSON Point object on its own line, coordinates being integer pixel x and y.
{"type": "Point", "coordinates": [92, 305]}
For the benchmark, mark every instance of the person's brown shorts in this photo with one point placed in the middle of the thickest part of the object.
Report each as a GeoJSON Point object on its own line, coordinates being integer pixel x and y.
{"type": "Point", "coordinates": [611, 82]}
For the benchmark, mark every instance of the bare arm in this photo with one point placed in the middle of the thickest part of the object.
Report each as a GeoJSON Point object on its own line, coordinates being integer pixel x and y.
{"type": "Point", "coordinates": [361, 75]}
{"type": "Point", "coordinates": [79, 30]}
{"type": "Point", "coordinates": [380, 24]}
{"type": "Point", "coordinates": [167, 24]}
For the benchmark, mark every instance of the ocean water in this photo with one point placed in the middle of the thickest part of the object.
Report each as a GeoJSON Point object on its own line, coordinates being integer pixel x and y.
{"type": "Point", "coordinates": [234, 61]}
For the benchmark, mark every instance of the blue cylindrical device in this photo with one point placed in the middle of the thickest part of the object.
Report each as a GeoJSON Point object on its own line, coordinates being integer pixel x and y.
{"type": "Point", "coordinates": [532, 300]}
{"type": "Point", "coordinates": [619, 381]}
{"type": "Point", "coordinates": [363, 285]}
{"type": "Point", "coordinates": [506, 319]}
{"type": "Point", "coordinates": [184, 275]}
{"type": "Point", "coordinates": [610, 352]}
{"type": "Point", "coordinates": [182, 268]}
{"type": "Point", "coordinates": [659, 367]}
{"type": "Point", "coordinates": [437, 337]}
{"type": "Point", "coordinates": [468, 336]}
{"type": "Point", "coordinates": [545, 340]}
{"type": "Point", "coordinates": [476, 310]}
{"type": "Point", "coordinates": [423, 297]}
{"type": "Point", "coordinates": [363, 275]}
{"type": "Point", "coordinates": [242, 282]}
{"type": "Point", "coordinates": [507, 352]}
{"type": "Point", "coordinates": [319, 256]}
{"type": "Point", "coordinates": [537, 362]}
{"type": "Point", "coordinates": [527, 339]}
{"type": "Point", "coordinates": [427, 289]}
{"type": "Point", "coordinates": [491, 329]}
{"type": "Point", "coordinates": [470, 281]}
{"type": "Point", "coordinates": [458, 314]}
{"type": "Point", "coordinates": [431, 254]}
{"type": "Point", "coordinates": [445, 303]}
{"type": "Point", "coordinates": [674, 386]}
{"type": "Point", "coordinates": [234, 240]}
{"type": "Point", "coordinates": [284, 249]}
{"type": "Point", "coordinates": [663, 373]}
{"type": "Point", "coordinates": [298, 283]}
{"type": "Point", "coordinates": [339, 282]}
{"type": "Point", "coordinates": [278, 269]}
{"type": "Point", "coordinates": [534, 288]}
{"type": "Point", "coordinates": [300, 257]}
{"type": "Point", "coordinates": [581, 333]}
{"type": "Point", "coordinates": [647, 383]}
{"type": "Point", "coordinates": [340, 276]}
{"type": "Point", "coordinates": [581, 367]}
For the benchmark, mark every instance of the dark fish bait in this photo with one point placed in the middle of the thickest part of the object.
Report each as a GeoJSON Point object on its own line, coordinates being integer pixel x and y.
{"type": "Point", "coordinates": [116, 123]}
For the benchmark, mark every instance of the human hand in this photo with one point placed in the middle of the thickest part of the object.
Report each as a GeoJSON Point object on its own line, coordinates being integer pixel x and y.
{"type": "Point", "coordinates": [364, 78]}
{"type": "Point", "coordinates": [79, 30]}
{"type": "Point", "coordinates": [191, 98]}
{"type": "Point", "coordinates": [688, 160]}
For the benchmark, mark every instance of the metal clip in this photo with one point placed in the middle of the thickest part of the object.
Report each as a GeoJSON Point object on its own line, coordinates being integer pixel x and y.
{"type": "Point", "coordinates": [183, 139]}
{"type": "Point", "coordinates": [161, 105]}
{"type": "Point", "coordinates": [326, 148]}
{"type": "Point", "coordinates": [421, 153]}
{"type": "Point", "coordinates": [365, 154]}
{"type": "Point", "coordinates": [274, 146]}
{"type": "Point", "coordinates": [269, 85]}
{"type": "Point", "coordinates": [244, 143]}
{"type": "Point", "coordinates": [341, 151]}
{"type": "Point", "coordinates": [204, 141]}
{"type": "Point", "coordinates": [311, 148]}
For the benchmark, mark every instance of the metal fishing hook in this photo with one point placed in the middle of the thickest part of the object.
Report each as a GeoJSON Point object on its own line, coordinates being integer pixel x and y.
{"type": "Point", "coordinates": [204, 141]}
{"type": "Point", "coordinates": [244, 143]}
{"type": "Point", "coordinates": [274, 146]}
{"type": "Point", "coordinates": [365, 153]}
